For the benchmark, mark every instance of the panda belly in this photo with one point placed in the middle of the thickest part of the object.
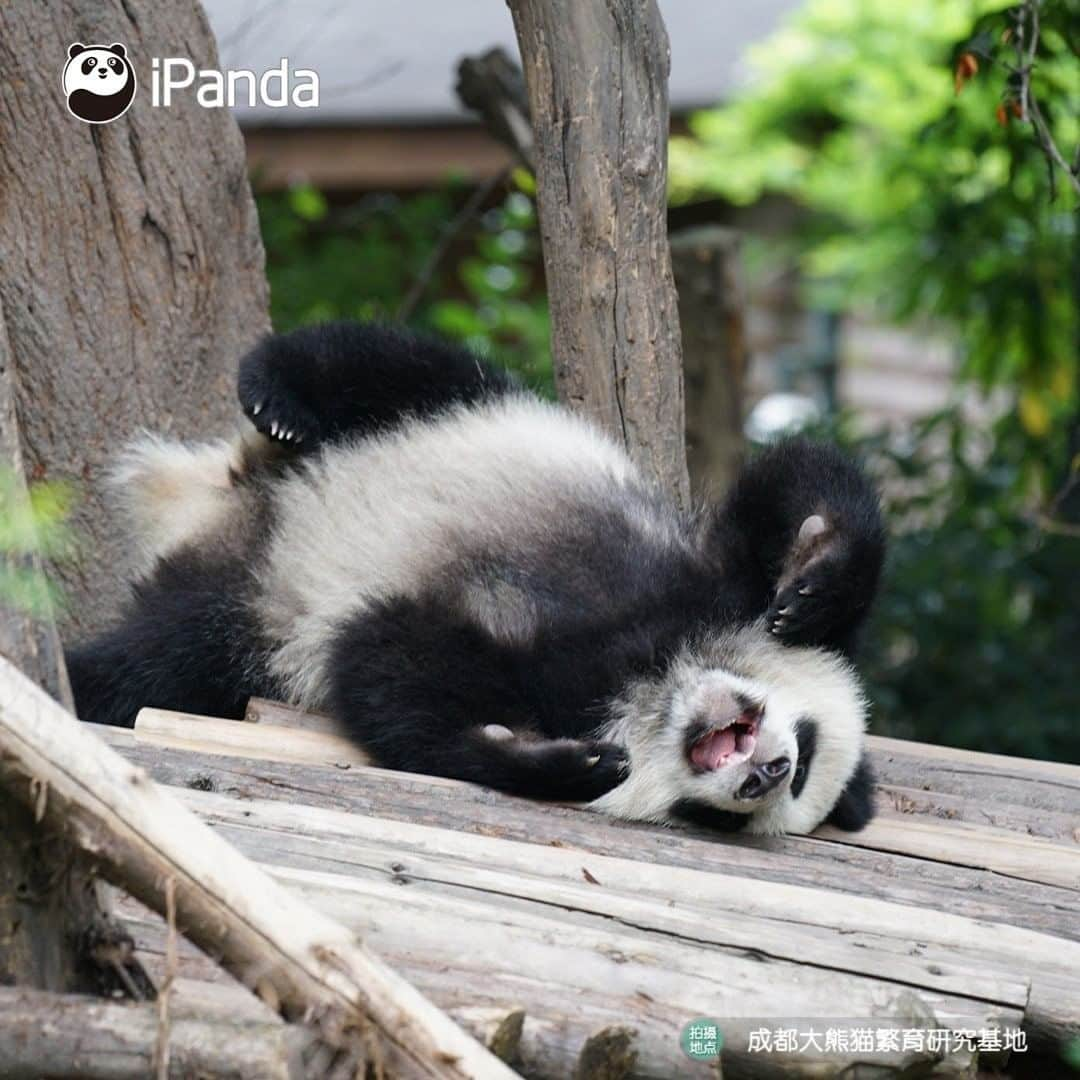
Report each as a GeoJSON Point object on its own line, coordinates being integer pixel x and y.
{"type": "Point", "coordinates": [496, 510]}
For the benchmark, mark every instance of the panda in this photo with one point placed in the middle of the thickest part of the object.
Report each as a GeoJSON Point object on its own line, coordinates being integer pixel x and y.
{"type": "Point", "coordinates": [479, 584]}
{"type": "Point", "coordinates": [99, 82]}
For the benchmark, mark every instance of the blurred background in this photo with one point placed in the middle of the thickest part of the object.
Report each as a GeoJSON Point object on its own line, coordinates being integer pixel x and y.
{"type": "Point", "coordinates": [869, 241]}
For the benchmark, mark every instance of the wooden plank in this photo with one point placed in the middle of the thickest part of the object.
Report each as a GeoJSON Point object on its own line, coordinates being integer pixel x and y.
{"type": "Point", "coordinates": [985, 779]}
{"type": "Point", "coordinates": [278, 714]}
{"type": "Point", "coordinates": [802, 924]}
{"type": "Point", "coordinates": [902, 803]}
{"type": "Point", "coordinates": [465, 807]}
{"type": "Point", "coordinates": [1025, 858]}
{"type": "Point", "coordinates": [1004, 852]}
{"type": "Point", "coordinates": [1030, 768]}
{"type": "Point", "coordinates": [188, 731]}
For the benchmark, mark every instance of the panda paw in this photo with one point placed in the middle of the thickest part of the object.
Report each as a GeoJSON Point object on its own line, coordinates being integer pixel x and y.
{"type": "Point", "coordinates": [275, 411]}
{"type": "Point", "coordinates": [817, 596]}
{"type": "Point", "coordinates": [580, 771]}
{"type": "Point", "coordinates": [806, 610]}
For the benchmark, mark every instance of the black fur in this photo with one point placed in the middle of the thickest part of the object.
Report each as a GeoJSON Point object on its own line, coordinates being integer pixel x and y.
{"type": "Point", "coordinates": [855, 807]}
{"type": "Point", "coordinates": [817, 594]}
{"type": "Point", "coordinates": [188, 641]}
{"type": "Point", "coordinates": [414, 679]}
{"type": "Point", "coordinates": [327, 382]}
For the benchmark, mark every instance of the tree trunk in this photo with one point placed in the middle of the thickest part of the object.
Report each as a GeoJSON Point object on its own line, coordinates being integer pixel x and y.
{"type": "Point", "coordinates": [712, 312]}
{"type": "Point", "coordinates": [596, 72]}
{"type": "Point", "coordinates": [47, 897]}
{"type": "Point", "coordinates": [130, 280]}
{"type": "Point", "coordinates": [131, 269]}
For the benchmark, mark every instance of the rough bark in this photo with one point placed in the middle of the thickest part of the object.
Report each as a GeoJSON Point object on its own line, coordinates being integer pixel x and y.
{"type": "Point", "coordinates": [131, 269]}
{"type": "Point", "coordinates": [47, 897]}
{"type": "Point", "coordinates": [596, 72]}
{"type": "Point", "coordinates": [308, 967]}
{"type": "Point", "coordinates": [43, 1034]}
{"type": "Point", "coordinates": [712, 314]}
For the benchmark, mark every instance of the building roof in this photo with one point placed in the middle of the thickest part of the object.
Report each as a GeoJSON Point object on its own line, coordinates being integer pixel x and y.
{"type": "Point", "coordinates": [386, 63]}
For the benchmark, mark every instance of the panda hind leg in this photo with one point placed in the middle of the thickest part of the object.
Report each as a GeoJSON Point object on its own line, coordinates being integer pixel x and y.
{"type": "Point", "coordinates": [339, 380]}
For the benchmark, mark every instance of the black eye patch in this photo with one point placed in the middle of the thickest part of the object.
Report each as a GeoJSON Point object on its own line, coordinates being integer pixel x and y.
{"type": "Point", "coordinates": [114, 63]}
{"type": "Point", "coordinates": [88, 65]}
{"type": "Point", "coordinates": [806, 739]}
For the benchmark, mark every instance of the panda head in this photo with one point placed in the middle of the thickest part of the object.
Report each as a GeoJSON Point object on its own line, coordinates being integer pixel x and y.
{"type": "Point", "coordinates": [747, 733]}
{"type": "Point", "coordinates": [99, 82]}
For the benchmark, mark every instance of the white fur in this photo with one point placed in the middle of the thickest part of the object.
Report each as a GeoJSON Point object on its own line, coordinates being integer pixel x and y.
{"type": "Point", "coordinates": [173, 493]}
{"type": "Point", "coordinates": [390, 514]}
{"type": "Point", "coordinates": [652, 718]}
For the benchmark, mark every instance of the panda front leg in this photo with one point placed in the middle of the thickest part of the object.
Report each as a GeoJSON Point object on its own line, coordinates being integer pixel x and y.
{"type": "Point", "coordinates": [342, 379]}
{"type": "Point", "coordinates": [424, 692]}
{"type": "Point", "coordinates": [801, 541]}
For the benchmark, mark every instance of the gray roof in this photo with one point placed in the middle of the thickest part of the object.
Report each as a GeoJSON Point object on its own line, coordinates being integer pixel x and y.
{"type": "Point", "coordinates": [385, 62]}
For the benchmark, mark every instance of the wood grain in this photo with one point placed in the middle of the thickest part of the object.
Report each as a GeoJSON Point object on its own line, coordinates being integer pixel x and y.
{"type": "Point", "coordinates": [141, 838]}
{"type": "Point", "coordinates": [597, 74]}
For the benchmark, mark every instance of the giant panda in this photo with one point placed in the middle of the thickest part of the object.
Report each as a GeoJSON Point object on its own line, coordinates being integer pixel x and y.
{"type": "Point", "coordinates": [479, 584]}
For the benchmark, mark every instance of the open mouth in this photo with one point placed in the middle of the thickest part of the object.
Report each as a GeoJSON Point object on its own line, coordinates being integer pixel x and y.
{"type": "Point", "coordinates": [712, 748]}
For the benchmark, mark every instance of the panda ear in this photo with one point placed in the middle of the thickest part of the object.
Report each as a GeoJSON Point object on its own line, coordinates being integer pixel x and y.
{"type": "Point", "coordinates": [855, 807]}
{"type": "Point", "coordinates": [76, 48]}
{"type": "Point", "coordinates": [117, 48]}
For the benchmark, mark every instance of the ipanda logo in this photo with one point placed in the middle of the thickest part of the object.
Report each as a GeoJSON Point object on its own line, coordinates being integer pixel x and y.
{"type": "Point", "coordinates": [99, 82]}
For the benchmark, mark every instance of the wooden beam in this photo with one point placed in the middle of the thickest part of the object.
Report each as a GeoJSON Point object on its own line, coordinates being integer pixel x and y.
{"type": "Point", "coordinates": [372, 792]}
{"type": "Point", "coordinates": [308, 965]}
{"type": "Point", "coordinates": [187, 731]}
{"type": "Point", "coordinates": [87, 1038]}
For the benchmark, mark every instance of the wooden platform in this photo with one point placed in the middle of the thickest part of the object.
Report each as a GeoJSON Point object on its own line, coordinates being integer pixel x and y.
{"type": "Point", "coordinates": [958, 908]}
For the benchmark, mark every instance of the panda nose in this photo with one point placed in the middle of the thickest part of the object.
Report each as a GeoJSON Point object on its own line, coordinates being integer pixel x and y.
{"type": "Point", "coordinates": [764, 778]}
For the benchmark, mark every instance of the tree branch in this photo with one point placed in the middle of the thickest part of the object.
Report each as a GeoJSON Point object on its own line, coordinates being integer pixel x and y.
{"type": "Point", "coordinates": [1026, 31]}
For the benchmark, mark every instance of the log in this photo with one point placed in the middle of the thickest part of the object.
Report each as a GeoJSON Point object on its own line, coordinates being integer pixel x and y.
{"type": "Point", "coordinates": [712, 315]}
{"type": "Point", "coordinates": [278, 714]}
{"type": "Point", "coordinates": [787, 923]}
{"type": "Point", "coordinates": [578, 977]}
{"type": "Point", "coordinates": [46, 1034]}
{"type": "Point", "coordinates": [596, 72]}
{"type": "Point", "coordinates": [143, 840]}
{"type": "Point", "coordinates": [312, 745]}
{"type": "Point", "coordinates": [834, 865]}
{"type": "Point", "coordinates": [50, 906]}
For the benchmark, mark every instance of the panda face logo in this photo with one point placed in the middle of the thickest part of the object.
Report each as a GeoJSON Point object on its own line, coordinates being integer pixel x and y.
{"type": "Point", "coordinates": [99, 82]}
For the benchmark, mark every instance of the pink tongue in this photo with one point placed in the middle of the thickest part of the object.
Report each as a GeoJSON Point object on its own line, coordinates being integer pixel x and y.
{"type": "Point", "coordinates": [709, 753]}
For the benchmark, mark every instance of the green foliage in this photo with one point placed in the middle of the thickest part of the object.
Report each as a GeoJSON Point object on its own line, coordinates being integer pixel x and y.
{"type": "Point", "coordinates": [361, 261]}
{"type": "Point", "coordinates": [925, 201]}
{"type": "Point", "coordinates": [974, 637]}
{"type": "Point", "coordinates": [31, 525]}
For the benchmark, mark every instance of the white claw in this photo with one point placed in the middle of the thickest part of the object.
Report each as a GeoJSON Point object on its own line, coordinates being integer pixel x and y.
{"type": "Point", "coordinates": [591, 761]}
{"type": "Point", "coordinates": [258, 409]}
{"type": "Point", "coordinates": [273, 429]}
{"type": "Point", "coordinates": [289, 435]}
{"type": "Point", "coordinates": [784, 610]}
{"type": "Point", "coordinates": [806, 591]}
